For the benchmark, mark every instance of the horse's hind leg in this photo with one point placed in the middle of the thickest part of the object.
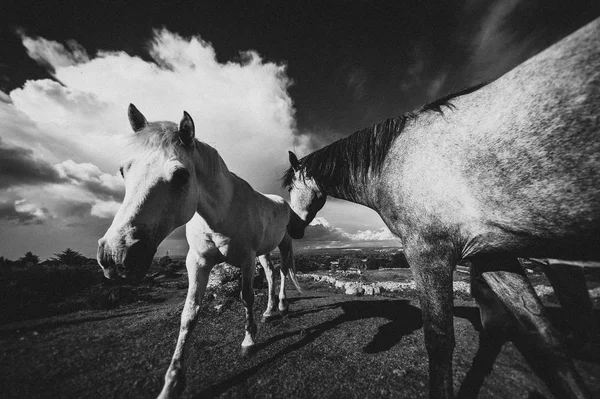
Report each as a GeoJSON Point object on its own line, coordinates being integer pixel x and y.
{"type": "Point", "coordinates": [267, 264]}
{"type": "Point", "coordinates": [247, 295]}
{"type": "Point", "coordinates": [570, 288]}
{"type": "Point", "coordinates": [198, 268]}
{"type": "Point", "coordinates": [538, 340]}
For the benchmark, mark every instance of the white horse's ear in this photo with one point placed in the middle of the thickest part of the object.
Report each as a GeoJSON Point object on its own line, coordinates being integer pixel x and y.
{"type": "Point", "coordinates": [186, 129]}
{"type": "Point", "coordinates": [294, 161]}
{"type": "Point", "coordinates": [136, 119]}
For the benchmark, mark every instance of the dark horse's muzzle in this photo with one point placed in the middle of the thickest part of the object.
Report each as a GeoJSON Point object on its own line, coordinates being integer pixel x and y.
{"type": "Point", "coordinates": [296, 226]}
{"type": "Point", "coordinates": [128, 263]}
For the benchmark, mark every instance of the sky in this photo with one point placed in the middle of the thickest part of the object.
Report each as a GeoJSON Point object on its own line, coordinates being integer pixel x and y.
{"type": "Point", "coordinates": [258, 78]}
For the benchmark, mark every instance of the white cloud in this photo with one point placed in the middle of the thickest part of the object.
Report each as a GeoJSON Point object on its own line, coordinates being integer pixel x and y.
{"type": "Point", "coordinates": [105, 209]}
{"type": "Point", "coordinates": [91, 177]}
{"type": "Point", "coordinates": [383, 234]}
{"type": "Point", "coordinates": [51, 53]}
{"type": "Point", "coordinates": [320, 233]}
{"type": "Point", "coordinates": [5, 98]}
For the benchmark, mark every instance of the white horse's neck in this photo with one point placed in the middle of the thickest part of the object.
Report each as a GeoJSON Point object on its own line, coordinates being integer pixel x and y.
{"type": "Point", "coordinates": [216, 185]}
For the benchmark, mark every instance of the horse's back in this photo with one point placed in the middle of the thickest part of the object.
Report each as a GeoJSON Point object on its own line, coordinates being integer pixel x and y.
{"type": "Point", "coordinates": [518, 160]}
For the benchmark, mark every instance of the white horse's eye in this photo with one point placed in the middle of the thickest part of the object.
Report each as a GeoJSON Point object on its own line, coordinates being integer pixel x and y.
{"type": "Point", "coordinates": [121, 172]}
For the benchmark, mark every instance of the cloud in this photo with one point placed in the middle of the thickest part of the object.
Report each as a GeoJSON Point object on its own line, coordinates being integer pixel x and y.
{"type": "Point", "coordinates": [506, 35]}
{"type": "Point", "coordinates": [5, 98]}
{"type": "Point", "coordinates": [105, 209]}
{"type": "Point", "coordinates": [22, 212]}
{"type": "Point", "coordinates": [90, 177]}
{"type": "Point", "coordinates": [356, 81]}
{"type": "Point", "coordinates": [19, 167]}
{"type": "Point", "coordinates": [308, 141]}
{"type": "Point", "coordinates": [320, 233]}
{"type": "Point", "coordinates": [52, 54]}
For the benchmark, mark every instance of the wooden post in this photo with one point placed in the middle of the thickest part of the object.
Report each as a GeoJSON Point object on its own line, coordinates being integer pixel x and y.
{"type": "Point", "coordinates": [540, 342]}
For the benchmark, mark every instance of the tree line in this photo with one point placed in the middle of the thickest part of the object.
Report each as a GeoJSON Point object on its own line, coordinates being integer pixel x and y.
{"type": "Point", "coordinates": [67, 257]}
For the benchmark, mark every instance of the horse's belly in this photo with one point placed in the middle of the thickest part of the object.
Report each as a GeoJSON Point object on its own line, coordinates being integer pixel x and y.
{"type": "Point", "coordinates": [270, 241]}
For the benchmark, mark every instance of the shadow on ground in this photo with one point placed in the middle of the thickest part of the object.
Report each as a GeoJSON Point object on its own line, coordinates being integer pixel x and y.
{"type": "Point", "coordinates": [403, 319]}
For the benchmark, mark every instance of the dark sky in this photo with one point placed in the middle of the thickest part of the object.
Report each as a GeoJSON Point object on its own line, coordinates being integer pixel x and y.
{"type": "Point", "coordinates": [354, 63]}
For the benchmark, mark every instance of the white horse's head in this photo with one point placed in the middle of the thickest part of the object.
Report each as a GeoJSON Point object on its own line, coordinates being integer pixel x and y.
{"type": "Point", "coordinates": [306, 199]}
{"type": "Point", "coordinates": [161, 194]}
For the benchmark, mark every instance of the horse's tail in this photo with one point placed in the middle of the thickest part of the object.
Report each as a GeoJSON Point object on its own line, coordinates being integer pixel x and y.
{"type": "Point", "coordinates": [292, 272]}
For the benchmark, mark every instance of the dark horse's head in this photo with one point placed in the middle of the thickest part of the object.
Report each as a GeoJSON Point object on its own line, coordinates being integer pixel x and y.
{"type": "Point", "coordinates": [161, 192]}
{"type": "Point", "coordinates": [306, 199]}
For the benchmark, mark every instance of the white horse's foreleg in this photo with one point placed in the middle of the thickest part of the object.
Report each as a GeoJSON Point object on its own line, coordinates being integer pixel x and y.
{"type": "Point", "coordinates": [265, 261]}
{"type": "Point", "coordinates": [247, 295]}
{"type": "Point", "coordinates": [198, 268]}
{"type": "Point", "coordinates": [540, 338]}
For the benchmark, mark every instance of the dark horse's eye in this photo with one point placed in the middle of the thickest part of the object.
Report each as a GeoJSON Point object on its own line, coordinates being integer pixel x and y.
{"type": "Point", "coordinates": [180, 178]}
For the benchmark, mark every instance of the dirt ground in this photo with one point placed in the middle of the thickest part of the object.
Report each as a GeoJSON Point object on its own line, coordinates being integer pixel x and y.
{"type": "Point", "coordinates": [329, 346]}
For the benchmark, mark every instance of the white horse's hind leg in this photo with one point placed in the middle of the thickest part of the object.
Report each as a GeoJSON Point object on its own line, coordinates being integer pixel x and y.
{"type": "Point", "coordinates": [247, 295]}
{"type": "Point", "coordinates": [267, 264]}
{"type": "Point", "coordinates": [198, 268]}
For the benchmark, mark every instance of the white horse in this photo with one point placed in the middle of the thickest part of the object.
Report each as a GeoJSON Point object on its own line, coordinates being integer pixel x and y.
{"type": "Point", "coordinates": [174, 179]}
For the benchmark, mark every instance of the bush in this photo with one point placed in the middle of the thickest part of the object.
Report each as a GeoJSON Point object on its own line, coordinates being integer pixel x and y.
{"type": "Point", "coordinates": [376, 263]}
{"type": "Point", "coordinates": [399, 261]}
{"type": "Point", "coordinates": [305, 265]}
{"type": "Point", "coordinates": [29, 260]}
{"type": "Point", "coordinates": [69, 257]}
{"type": "Point", "coordinates": [347, 262]}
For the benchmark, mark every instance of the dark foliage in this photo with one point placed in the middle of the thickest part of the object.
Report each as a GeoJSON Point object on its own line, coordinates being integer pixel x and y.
{"type": "Point", "coordinates": [348, 262]}
{"type": "Point", "coordinates": [32, 291]}
{"type": "Point", "coordinates": [69, 257]}
{"type": "Point", "coordinates": [29, 259]}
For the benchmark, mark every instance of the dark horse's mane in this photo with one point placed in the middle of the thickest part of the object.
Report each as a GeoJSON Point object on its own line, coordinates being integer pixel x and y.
{"type": "Point", "coordinates": [352, 158]}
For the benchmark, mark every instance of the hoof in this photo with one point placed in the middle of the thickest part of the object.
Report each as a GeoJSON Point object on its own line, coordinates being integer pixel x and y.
{"type": "Point", "coordinates": [248, 351]}
{"type": "Point", "coordinates": [284, 311]}
{"type": "Point", "coordinates": [172, 389]}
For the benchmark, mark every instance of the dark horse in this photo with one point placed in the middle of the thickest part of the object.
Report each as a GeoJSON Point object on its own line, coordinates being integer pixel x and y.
{"type": "Point", "coordinates": [504, 170]}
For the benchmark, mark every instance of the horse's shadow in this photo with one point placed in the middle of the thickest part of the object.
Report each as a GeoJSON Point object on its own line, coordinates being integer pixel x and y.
{"type": "Point", "coordinates": [490, 347]}
{"type": "Point", "coordinates": [402, 317]}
